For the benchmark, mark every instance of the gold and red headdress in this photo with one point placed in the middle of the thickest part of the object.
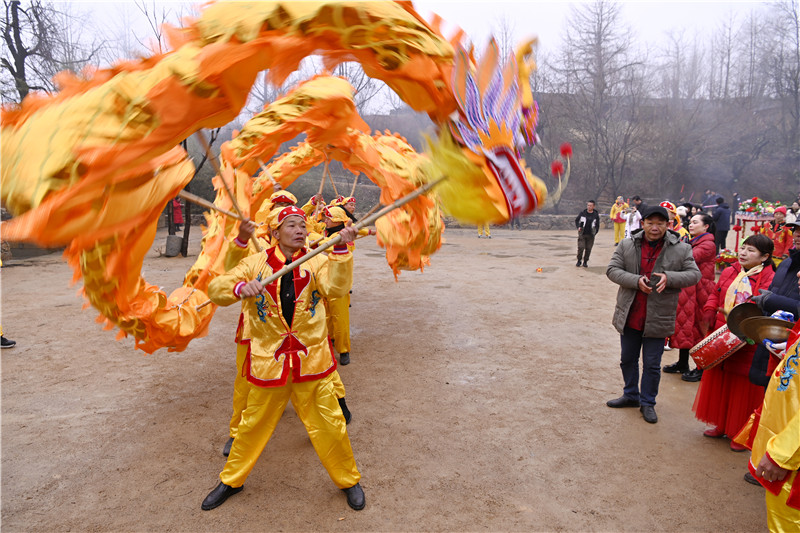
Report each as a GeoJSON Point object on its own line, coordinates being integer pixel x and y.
{"type": "Point", "coordinates": [286, 212]}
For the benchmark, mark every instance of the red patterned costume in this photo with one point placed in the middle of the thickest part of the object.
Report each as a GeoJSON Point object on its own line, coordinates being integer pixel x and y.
{"type": "Point", "coordinates": [781, 236]}
{"type": "Point", "coordinates": [726, 398]}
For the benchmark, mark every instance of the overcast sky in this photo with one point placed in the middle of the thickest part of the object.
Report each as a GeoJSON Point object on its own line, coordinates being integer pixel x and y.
{"type": "Point", "coordinates": [650, 20]}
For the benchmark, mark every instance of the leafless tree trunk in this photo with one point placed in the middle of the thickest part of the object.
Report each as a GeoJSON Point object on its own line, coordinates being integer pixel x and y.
{"type": "Point", "coordinates": [606, 86]}
{"type": "Point", "coordinates": [40, 41]}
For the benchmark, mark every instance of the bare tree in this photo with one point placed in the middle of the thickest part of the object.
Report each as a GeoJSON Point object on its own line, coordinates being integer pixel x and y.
{"type": "Point", "coordinates": [366, 88]}
{"type": "Point", "coordinates": [783, 71]}
{"type": "Point", "coordinates": [604, 85]}
{"type": "Point", "coordinates": [40, 42]}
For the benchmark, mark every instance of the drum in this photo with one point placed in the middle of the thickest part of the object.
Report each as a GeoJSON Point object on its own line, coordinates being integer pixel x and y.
{"type": "Point", "coordinates": [715, 348]}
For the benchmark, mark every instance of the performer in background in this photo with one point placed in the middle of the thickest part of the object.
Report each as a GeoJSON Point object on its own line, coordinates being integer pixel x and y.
{"type": "Point", "coordinates": [339, 307]}
{"type": "Point", "coordinates": [617, 217]}
{"type": "Point", "coordinates": [289, 354]}
{"type": "Point", "coordinates": [780, 234]}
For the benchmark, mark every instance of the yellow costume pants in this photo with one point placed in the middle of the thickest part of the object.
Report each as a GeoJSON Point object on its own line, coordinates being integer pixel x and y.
{"type": "Point", "coordinates": [316, 405]}
{"type": "Point", "coordinates": [619, 231]}
{"type": "Point", "coordinates": [339, 323]}
{"type": "Point", "coordinates": [241, 388]}
{"type": "Point", "coordinates": [780, 517]}
{"type": "Point", "coordinates": [484, 229]}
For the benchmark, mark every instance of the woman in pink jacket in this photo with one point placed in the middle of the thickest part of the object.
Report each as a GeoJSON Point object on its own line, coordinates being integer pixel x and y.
{"type": "Point", "coordinates": [690, 303]}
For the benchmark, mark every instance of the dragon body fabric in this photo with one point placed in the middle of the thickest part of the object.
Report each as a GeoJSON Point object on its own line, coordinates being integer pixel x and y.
{"type": "Point", "coordinates": [91, 167]}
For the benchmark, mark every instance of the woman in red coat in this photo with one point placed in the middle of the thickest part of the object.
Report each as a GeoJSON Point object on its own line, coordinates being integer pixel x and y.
{"type": "Point", "coordinates": [177, 213]}
{"type": "Point", "coordinates": [726, 397]}
{"type": "Point", "coordinates": [690, 304]}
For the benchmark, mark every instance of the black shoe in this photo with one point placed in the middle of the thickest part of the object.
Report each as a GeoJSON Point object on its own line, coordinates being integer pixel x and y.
{"type": "Point", "coordinates": [355, 497]}
{"type": "Point", "coordinates": [345, 411]}
{"type": "Point", "coordinates": [344, 358]}
{"type": "Point", "coordinates": [750, 478]}
{"type": "Point", "coordinates": [622, 401]}
{"type": "Point", "coordinates": [7, 343]}
{"type": "Point", "coordinates": [585, 264]}
{"type": "Point", "coordinates": [693, 376]}
{"type": "Point", "coordinates": [676, 368]}
{"type": "Point", "coordinates": [226, 450]}
{"type": "Point", "coordinates": [218, 496]}
{"type": "Point", "coordinates": [649, 414]}
{"type": "Point", "coordinates": [578, 264]}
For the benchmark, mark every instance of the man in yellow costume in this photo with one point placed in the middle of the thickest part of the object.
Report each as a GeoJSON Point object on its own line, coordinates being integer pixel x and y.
{"type": "Point", "coordinates": [618, 218]}
{"type": "Point", "coordinates": [240, 248]}
{"type": "Point", "coordinates": [289, 353]}
{"type": "Point", "coordinates": [775, 459]}
{"type": "Point", "coordinates": [339, 308]}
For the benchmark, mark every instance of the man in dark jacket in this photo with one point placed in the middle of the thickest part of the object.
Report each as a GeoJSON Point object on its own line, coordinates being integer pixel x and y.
{"type": "Point", "coordinates": [588, 224]}
{"type": "Point", "coordinates": [722, 220]}
{"type": "Point", "coordinates": [637, 202]}
{"type": "Point", "coordinates": [783, 295]}
{"type": "Point", "coordinates": [650, 268]}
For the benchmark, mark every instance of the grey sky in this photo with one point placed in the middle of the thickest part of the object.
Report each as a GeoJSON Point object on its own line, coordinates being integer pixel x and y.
{"type": "Point", "coordinates": [650, 20]}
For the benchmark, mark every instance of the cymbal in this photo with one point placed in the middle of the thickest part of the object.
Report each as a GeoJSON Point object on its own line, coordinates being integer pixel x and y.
{"type": "Point", "coordinates": [762, 327]}
{"type": "Point", "coordinates": [739, 313]}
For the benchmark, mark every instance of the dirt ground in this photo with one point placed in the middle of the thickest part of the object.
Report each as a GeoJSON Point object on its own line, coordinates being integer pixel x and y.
{"type": "Point", "coordinates": [477, 387]}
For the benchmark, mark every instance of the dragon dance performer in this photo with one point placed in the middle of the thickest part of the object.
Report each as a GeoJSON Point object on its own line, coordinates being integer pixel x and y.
{"type": "Point", "coordinates": [675, 222]}
{"type": "Point", "coordinates": [780, 234]}
{"type": "Point", "coordinates": [775, 458]}
{"type": "Point", "coordinates": [339, 308]}
{"type": "Point", "coordinates": [289, 353]}
{"type": "Point", "coordinates": [241, 247]}
{"type": "Point", "coordinates": [349, 206]}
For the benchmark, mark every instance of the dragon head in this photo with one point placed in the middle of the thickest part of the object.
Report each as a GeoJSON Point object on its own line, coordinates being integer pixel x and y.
{"type": "Point", "coordinates": [494, 121]}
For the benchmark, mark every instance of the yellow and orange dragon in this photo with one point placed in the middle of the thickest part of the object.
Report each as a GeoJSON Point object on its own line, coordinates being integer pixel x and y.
{"type": "Point", "coordinates": [92, 166]}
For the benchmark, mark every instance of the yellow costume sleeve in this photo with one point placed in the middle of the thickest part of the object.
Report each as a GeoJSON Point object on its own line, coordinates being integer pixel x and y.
{"type": "Point", "coordinates": [308, 208]}
{"type": "Point", "coordinates": [315, 227]}
{"type": "Point", "coordinates": [335, 275]}
{"type": "Point", "coordinates": [236, 253]}
{"type": "Point", "coordinates": [784, 448]}
{"type": "Point", "coordinates": [220, 290]}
